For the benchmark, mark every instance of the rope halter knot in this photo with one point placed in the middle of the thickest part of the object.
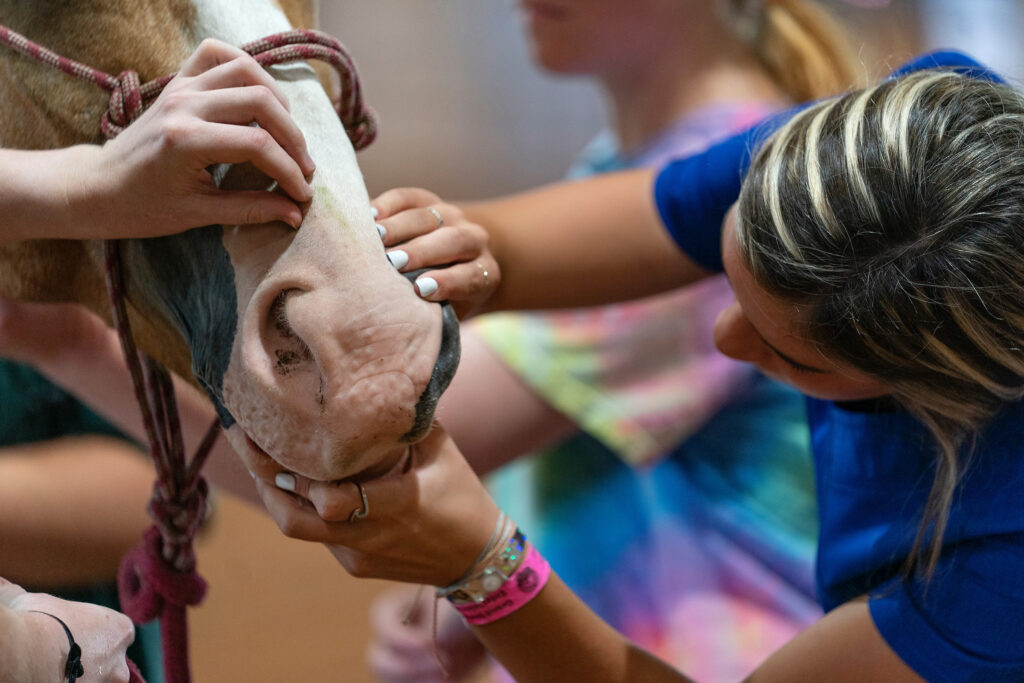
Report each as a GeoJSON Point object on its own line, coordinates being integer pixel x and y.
{"type": "Point", "coordinates": [129, 97]}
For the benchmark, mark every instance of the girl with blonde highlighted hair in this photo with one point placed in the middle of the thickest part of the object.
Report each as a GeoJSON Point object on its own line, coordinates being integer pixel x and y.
{"type": "Point", "coordinates": [876, 255]}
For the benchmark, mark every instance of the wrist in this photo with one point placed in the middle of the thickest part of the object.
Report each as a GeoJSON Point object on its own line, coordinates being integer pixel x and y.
{"type": "Point", "coordinates": [86, 198]}
{"type": "Point", "coordinates": [35, 647]}
{"type": "Point", "coordinates": [506, 575]}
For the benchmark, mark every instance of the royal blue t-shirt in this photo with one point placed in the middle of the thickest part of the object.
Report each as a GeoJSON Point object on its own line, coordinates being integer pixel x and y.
{"type": "Point", "coordinates": [874, 468]}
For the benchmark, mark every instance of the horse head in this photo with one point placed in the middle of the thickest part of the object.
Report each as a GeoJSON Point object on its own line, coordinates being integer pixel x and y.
{"type": "Point", "coordinates": [310, 341]}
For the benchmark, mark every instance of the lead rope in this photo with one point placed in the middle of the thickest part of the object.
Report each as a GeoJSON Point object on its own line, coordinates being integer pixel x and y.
{"type": "Point", "coordinates": [158, 577]}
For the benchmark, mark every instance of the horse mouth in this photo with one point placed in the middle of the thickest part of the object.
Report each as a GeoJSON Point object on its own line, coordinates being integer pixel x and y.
{"type": "Point", "coordinates": [442, 374]}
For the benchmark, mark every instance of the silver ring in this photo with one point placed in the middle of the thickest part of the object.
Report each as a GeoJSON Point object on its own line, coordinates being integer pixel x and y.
{"type": "Point", "coordinates": [437, 215]}
{"type": "Point", "coordinates": [483, 269]}
{"type": "Point", "coordinates": [363, 512]}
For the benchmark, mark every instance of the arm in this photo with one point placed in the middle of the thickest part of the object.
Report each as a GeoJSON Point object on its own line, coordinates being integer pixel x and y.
{"type": "Point", "coordinates": [153, 179]}
{"type": "Point", "coordinates": [34, 647]}
{"type": "Point", "coordinates": [433, 494]}
{"type": "Point", "coordinates": [556, 632]}
{"type": "Point", "coordinates": [608, 238]}
{"type": "Point", "coordinates": [49, 543]}
{"type": "Point", "coordinates": [580, 243]}
{"type": "Point", "coordinates": [74, 349]}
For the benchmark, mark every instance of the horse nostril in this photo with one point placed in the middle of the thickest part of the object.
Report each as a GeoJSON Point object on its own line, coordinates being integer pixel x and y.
{"type": "Point", "coordinates": [287, 349]}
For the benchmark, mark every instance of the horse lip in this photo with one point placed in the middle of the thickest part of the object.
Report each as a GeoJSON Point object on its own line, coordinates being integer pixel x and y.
{"type": "Point", "coordinates": [443, 372]}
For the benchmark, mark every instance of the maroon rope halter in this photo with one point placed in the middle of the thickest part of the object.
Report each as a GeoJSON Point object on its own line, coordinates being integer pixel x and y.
{"type": "Point", "coordinates": [158, 577]}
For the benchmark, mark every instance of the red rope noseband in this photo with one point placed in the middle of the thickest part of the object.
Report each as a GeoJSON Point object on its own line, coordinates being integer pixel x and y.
{"type": "Point", "coordinates": [158, 578]}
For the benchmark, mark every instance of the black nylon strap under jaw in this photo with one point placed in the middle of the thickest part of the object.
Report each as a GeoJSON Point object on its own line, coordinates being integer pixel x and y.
{"type": "Point", "coordinates": [73, 669]}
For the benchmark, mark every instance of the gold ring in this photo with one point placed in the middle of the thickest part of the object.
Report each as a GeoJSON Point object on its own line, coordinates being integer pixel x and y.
{"type": "Point", "coordinates": [364, 511]}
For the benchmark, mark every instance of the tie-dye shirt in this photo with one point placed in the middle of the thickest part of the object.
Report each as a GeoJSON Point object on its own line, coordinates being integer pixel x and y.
{"type": "Point", "coordinates": [683, 510]}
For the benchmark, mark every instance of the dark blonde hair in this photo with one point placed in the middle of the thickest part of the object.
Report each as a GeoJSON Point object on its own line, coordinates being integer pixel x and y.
{"type": "Point", "coordinates": [895, 217]}
{"type": "Point", "coordinates": [798, 43]}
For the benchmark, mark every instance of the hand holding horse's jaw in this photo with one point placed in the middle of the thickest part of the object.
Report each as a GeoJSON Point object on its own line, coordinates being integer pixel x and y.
{"type": "Point", "coordinates": [427, 519]}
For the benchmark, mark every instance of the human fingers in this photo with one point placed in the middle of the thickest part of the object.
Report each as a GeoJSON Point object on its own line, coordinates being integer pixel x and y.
{"type": "Point", "coordinates": [401, 199]}
{"type": "Point", "coordinates": [245, 104]}
{"type": "Point", "coordinates": [465, 285]}
{"type": "Point", "coordinates": [389, 666]}
{"type": "Point", "coordinates": [244, 207]}
{"type": "Point", "coordinates": [240, 70]}
{"type": "Point", "coordinates": [401, 644]}
{"type": "Point", "coordinates": [410, 630]}
{"type": "Point", "coordinates": [213, 143]}
{"type": "Point", "coordinates": [453, 243]}
{"type": "Point", "coordinates": [209, 54]}
{"type": "Point", "coordinates": [260, 465]}
{"type": "Point", "coordinates": [416, 221]}
{"type": "Point", "coordinates": [297, 518]}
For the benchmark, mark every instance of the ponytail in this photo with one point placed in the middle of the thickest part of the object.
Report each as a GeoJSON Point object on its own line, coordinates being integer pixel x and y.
{"type": "Point", "coordinates": [799, 44]}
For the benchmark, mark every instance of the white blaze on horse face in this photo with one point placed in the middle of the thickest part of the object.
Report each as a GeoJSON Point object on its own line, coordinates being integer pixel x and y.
{"type": "Point", "coordinates": [333, 348]}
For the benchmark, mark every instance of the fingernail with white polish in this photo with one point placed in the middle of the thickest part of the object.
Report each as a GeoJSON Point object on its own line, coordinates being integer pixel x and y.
{"type": "Point", "coordinates": [381, 230]}
{"type": "Point", "coordinates": [374, 212]}
{"type": "Point", "coordinates": [398, 258]}
{"type": "Point", "coordinates": [426, 285]}
{"type": "Point", "coordinates": [285, 481]}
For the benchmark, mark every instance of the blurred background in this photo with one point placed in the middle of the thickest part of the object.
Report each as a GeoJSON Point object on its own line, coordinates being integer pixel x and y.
{"type": "Point", "coordinates": [465, 114]}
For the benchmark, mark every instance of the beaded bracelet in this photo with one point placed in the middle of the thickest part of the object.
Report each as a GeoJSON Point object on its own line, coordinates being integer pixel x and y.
{"type": "Point", "coordinates": [520, 588]}
{"type": "Point", "coordinates": [504, 530]}
{"type": "Point", "coordinates": [495, 573]}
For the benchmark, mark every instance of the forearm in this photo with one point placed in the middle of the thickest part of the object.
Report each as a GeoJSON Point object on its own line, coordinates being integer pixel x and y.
{"type": "Point", "coordinates": [556, 637]}
{"type": "Point", "coordinates": [15, 647]}
{"type": "Point", "coordinates": [582, 243]}
{"type": "Point", "coordinates": [70, 508]}
{"type": "Point", "coordinates": [40, 197]}
{"type": "Point", "coordinates": [30, 647]}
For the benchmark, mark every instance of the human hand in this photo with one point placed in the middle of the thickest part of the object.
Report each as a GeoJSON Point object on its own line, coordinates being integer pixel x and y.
{"type": "Point", "coordinates": [429, 516]}
{"type": "Point", "coordinates": [103, 635]}
{"type": "Point", "coordinates": [403, 639]}
{"type": "Point", "coordinates": [153, 180]}
{"type": "Point", "coordinates": [467, 273]}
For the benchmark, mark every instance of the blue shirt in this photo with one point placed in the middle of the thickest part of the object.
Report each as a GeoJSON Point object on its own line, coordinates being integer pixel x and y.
{"type": "Point", "coordinates": [874, 471]}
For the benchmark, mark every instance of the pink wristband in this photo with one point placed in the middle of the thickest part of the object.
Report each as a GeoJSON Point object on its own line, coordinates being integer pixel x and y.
{"type": "Point", "coordinates": [521, 587]}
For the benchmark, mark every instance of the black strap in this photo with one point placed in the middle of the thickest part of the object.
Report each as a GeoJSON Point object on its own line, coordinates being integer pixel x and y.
{"type": "Point", "coordinates": [73, 666]}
